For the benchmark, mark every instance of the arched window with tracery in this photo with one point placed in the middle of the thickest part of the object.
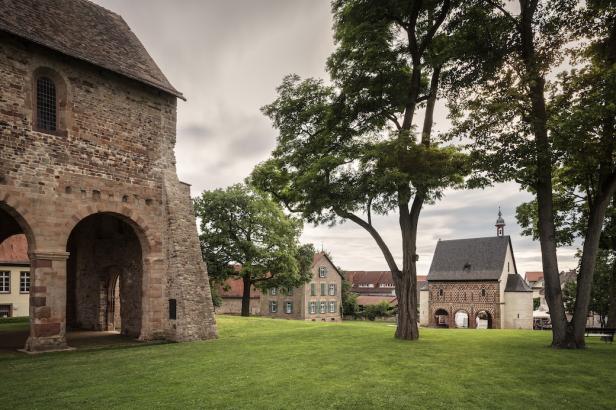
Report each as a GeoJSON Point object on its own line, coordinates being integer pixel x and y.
{"type": "Point", "coordinates": [46, 104]}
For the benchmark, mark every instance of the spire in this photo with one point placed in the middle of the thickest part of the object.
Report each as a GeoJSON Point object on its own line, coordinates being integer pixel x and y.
{"type": "Point", "coordinates": [500, 224]}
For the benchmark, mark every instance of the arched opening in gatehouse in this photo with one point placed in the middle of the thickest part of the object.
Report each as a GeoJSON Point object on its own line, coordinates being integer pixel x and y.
{"type": "Point", "coordinates": [461, 319]}
{"type": "Point", "coordinates": [441, 318]}
{"type": "Point", "coordinates": [15, 242]}
{"type": "Point", "coordinates": [483, 320]}
{"type": "Point", "coordinates": [105, 276]}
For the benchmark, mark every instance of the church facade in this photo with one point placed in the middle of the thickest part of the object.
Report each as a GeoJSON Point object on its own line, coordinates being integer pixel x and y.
{"type": "Point", "coordinates": [474, 283]}
{"type": "Point", "coordinates": [88, 175]}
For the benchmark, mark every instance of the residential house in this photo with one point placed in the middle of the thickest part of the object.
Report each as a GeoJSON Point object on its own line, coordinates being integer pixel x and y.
{"type": "Point", "coordinates": [319, 299]}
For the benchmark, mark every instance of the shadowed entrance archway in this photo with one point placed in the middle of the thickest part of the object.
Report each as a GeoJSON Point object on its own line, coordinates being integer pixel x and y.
{"type": "Point", "coordinates": [105, 276]}
{"type": "Point", "coordinates": [441, 318]}
{"type": "Point", "coordinates": [483, 320]}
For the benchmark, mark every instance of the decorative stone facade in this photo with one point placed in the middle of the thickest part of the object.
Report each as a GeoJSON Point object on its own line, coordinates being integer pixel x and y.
{"type": "Point", "coordinates": [98, 197]}
{"type": "Point", "coordinates": [470, 297]}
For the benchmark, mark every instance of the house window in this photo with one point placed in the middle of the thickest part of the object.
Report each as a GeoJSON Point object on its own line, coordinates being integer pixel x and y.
{"type": "Point", "coordinates": [323, 289]}
{"type": "Point", "coordinates": [290, 292]}
{"type": "Point", "coordinates": [6, 311]}
{"type": "Point", "coordinates": [323, 307]}
{"type": "Point", "coordinates": [5, 282]}
{"type": "Point", "coordinates": [313, 289]}
{"type": "Point", "coordinates": [332, 307]}
{"type": "Point", "coordinates": [312, 308]}
{"type": "Point", "coordinates": [46, 106]}
{"type": "Point", "coordinates": [322, 271]}
{"type": "Point", "coordinates": [24, 282]}
{"type": "Point", "coordinates": [332, 289]}
{"type": "Point", "coordinates": [273, 291]}
{"type": "Point", "coordinates": [288, 307]}
{"type": "Point", "coordinates": [273, 306]}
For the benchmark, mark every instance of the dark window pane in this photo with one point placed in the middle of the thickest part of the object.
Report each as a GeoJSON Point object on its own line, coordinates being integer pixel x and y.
{"type": "Point", "coordinates": [46, 104]}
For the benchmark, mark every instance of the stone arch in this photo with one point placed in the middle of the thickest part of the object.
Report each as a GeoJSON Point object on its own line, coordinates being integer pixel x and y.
{"type": "Point", "coordinates": [489, 318]}
{"type": "Point", "coordinates": [101, 245]}
{"type": "Point", "coordinates": [441, 317]}
{"type": "Point", "coordinates": [461, 318]}
{"type": "Point", "coordinates": [13, 222]}
{"type": "Point", "coordinates": [139, 225]}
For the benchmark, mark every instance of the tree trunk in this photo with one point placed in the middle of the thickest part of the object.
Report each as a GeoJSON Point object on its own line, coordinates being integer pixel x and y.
{"type": "Point", "coordinates": [611, 311]}
{"type": "Point", "coordinates": [406, 292]}
{"type": "Point", "coordinates": [587, 267]}
{"type": "Point", "coordinates": [246, 296]}
{"type": "Point", "coordinates": [562, 332]}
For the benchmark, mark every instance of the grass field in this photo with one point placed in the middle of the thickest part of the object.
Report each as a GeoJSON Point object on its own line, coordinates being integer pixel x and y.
{"type": "Point", "coordinates": [260, 363]}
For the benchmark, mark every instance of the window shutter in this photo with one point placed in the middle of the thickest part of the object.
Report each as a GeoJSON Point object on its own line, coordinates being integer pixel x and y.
{"type": "Point", "coordinates": [313, 289]}
{"type": "Point", "coordinates": [323, 289]}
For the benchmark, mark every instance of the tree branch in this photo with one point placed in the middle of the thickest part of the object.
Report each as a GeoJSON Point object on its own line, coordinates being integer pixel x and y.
{"type": "Point", "coordinates": [377, 237]}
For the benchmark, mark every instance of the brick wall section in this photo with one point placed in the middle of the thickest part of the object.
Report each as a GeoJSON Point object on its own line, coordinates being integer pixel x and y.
{"type": "Point", "coordinates": [114, 155]}
{"type": "Point", "coordinates": [465, 296]}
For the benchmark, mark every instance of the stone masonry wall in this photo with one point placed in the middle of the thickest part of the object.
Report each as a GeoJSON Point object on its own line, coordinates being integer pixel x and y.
{"type": "Point", "coordinates": [465, 296]}
{"type": "Point", "coordinates": [113, 155]}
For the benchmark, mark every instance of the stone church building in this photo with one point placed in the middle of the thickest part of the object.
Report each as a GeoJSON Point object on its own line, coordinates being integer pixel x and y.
{"type": "Point", "coordinates": [87, 173]}
{"type": "Point", "coordinates": [474, 283]}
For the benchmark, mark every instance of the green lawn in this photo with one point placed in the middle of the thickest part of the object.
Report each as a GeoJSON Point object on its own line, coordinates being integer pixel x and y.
{"type": "Point", "coordinates": [276, 364]}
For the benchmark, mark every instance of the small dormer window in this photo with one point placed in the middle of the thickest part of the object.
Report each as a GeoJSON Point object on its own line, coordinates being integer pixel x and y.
{"type": "Point", "coordinates": [46, 104]}
{"type": "Point", "coordinates": [467, 267]}
{"type": "Point", "coordinates": [322, 271]}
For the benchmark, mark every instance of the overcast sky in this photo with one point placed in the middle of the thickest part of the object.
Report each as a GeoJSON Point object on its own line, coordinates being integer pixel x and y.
{"type": "Point", "coordinates": [228, 57]}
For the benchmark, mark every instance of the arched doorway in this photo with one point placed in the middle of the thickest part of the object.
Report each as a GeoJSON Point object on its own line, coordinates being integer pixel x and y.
{"type": "Point", "coordinates": [104, 275]}
{"type": "Point", "coordinates": [461, 319]}
{"type": "Point", "coordinates": [483, 320]}
{"type": "Point", "coordinates": [441, 318]}
{"type": "Point", "coordinates": [15, 276]}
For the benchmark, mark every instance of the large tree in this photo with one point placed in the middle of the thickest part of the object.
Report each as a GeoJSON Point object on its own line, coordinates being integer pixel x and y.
{"type": "Point", "coordinates": [530, 127]}
{"type": "Point", "coordinates": [244, 234]}
{"type": "Point", "coordinates": [352, 149]}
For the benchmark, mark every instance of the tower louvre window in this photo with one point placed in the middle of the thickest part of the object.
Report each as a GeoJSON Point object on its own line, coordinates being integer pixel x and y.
{"type": "Point", "coordinates": [46, 104]}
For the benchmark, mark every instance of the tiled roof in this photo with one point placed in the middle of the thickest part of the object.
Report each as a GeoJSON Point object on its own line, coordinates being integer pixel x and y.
{"type": "Point", "coordinates": [469, 259]}
{"type": "Point", "coordinates": [86, 31]}
{"type": "Point", "coordinates": [234, 288]}
{"type": "Point", "coordinates": [374, 300]}
{"type": "Point", "coordinates": [373, 277]}
{"type": "Point", "coordinates": [515, 283]}
{"type": "Point", "coordinates": [14, 250]}
{"type": "Point", "coordinates": [533, 276]}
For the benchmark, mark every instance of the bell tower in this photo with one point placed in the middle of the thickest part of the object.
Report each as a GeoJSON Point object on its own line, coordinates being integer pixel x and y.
{"type": "Point", "coordinates": [500, 224]}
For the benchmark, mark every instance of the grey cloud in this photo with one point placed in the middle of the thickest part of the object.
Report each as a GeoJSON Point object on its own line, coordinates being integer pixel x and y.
{"type": "Point", "coordinates": [228, 57]}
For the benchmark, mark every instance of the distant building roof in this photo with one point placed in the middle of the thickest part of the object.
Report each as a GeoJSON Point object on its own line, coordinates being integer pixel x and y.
{"type": "Point", "coordinates": [533, 276]}
{"type": "Point", "coordinates": [365, 300]}
{"type": "Point", "coordinates": [374, 277]}
{"type": "Point", "coordinates": [14, 250]}
{"type": "Point", "coordinates": [234, 288]}
{"type": "Point", "coordinates": [86, 31]}
{"type": "Point", "coordinates": [469, 259]}
{"type": "Point", "coordinates": [515, 283]}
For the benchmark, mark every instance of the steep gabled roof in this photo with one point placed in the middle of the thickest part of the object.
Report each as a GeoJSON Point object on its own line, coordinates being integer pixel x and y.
{"type": "Point", "coordinates": [86, 31]}
{"type": "Point", "coordinates": [317, 257]}
{"type": "Point", "coordinates": [469, 259]}
{"type": "Point", "coordinates": [515, 283]}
